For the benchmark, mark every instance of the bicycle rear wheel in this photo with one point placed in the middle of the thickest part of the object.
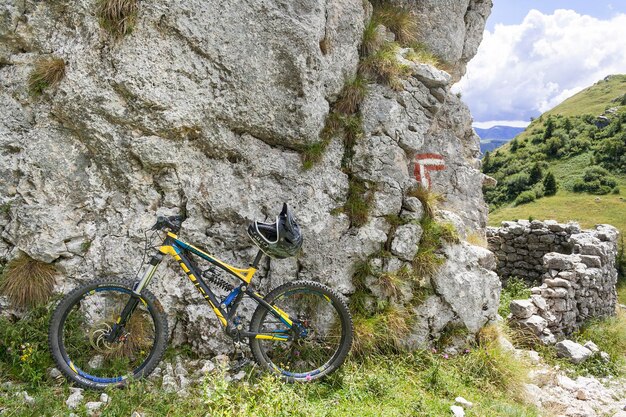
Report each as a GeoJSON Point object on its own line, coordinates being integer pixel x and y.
{"type": "Point", "coordinates": [81, 323]}
{"type": "Point", "coordinates": [318, 342]}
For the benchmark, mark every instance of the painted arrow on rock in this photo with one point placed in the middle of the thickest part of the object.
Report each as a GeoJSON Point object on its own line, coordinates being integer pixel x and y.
{"type": "Point", "coordinates": [424, 163]}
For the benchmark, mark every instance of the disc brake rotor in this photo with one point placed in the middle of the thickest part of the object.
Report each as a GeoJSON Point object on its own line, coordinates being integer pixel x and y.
{"type": "Point", "coordinates": [98, 338]}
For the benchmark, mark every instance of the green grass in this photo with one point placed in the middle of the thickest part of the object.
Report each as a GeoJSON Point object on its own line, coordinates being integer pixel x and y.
{"type": "Point", "coordinates": [592, 100]}
{"type": "Point", "coordinates": [515, 289]}
{"type": "Point", "coordinates": [567, 205]}
{"type": "Point", "coordinates": [420, 384]}
{"type": "Point", "coordinates": [610, 336]}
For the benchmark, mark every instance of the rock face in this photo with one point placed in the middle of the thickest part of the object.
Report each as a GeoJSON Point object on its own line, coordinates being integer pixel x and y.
{"type": "Point", "coordinates": [452, 28]}
{"type": "Point", "coordinates": [575, 286]}
{"type": "Point", "coordinates": [203, 111]}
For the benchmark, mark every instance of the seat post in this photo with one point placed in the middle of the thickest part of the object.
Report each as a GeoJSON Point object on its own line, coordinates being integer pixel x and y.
{"type": "Point", "coordinates": [257, 259]}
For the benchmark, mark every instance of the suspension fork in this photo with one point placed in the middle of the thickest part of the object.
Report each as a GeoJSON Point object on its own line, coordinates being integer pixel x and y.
{"type": "Point", "coordinates": [134, 299]}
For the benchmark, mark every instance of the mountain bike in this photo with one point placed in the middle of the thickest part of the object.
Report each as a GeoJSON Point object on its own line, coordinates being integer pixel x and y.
{"type": "Point", "coordinates": [109, 331]}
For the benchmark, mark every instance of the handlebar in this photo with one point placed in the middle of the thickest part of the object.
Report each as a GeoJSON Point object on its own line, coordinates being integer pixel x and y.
{"type": "Point", "coordinates": [171, 222]}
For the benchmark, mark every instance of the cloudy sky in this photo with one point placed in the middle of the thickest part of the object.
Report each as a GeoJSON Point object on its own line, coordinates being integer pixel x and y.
{"type": "Point", "coordinates": [536, 53]}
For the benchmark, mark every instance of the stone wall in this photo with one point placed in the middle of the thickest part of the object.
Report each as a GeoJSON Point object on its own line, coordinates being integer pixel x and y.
{"type": "Point", "coordinates": [520, 246]}
{"type": "Point", "coordinates": [574, 286]}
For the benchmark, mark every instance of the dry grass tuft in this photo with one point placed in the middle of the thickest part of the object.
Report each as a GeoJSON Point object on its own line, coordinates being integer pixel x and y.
{"type": "Point", "coordinates": [47, 73]}
{"type": "Point", "coordinates": [118, 17]}
{"type": "Point", "coordinates": [490, 363]}
{"type": "Point", "coordinates": [390, 283]}
{"type": "Point", "coordinates": [419, 53]}
{"type": "Point", "coordinates": [429, 199]}
{"type": "Point", "coordinates": [359, 201]}
{"type": "Point", "coordinates": [27, 282]}
{"type": "Point", "coordinates": [371, 40]}
{"type": "Point", "coordinates": [400, 21]}
{"type": "Point", "coordinates": [477, 239]}
{"type": "Point", "coordinates": [382, 332]}
{"type": "Point", "coordinates": [325, 45]}
{"type": "Point", "coordinates": [383, 66]}
{"type": "Point", "coordinates": [352, 95]}
{"type": "Point", "coordinates": [139, 340]}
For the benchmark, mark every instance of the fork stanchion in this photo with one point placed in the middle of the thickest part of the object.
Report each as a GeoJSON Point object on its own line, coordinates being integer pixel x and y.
{"type": "Point", "coordinates": [257, 259]}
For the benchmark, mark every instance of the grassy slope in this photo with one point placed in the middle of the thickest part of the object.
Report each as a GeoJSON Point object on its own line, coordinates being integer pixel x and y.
{"type": "Point", "coordinates": [592, 100]}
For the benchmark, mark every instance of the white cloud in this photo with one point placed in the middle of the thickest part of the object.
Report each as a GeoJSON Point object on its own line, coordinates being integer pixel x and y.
{"type": "Point", "coordinates": [523, 70]}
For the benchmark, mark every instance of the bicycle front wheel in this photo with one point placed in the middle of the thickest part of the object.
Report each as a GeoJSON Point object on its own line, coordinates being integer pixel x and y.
{"type": "Point", "coordinates": [82, 322]}
{"type": "Point", "coordinates": [317, 342]}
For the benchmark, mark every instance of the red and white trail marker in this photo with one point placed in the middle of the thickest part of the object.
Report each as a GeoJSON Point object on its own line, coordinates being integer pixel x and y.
{"type": "Point", "coordinates": [424, 163]}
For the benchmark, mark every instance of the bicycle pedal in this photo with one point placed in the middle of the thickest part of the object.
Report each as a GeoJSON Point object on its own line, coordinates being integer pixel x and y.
{"type": "Point", "coordinates": [239, 364]}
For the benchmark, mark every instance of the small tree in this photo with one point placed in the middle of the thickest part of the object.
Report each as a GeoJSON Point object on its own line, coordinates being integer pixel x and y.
{"type": "Point", "coordinates": [514, 145]}
{"type": "Point", "coordinates": [486, 161]}
{"type": "Point", "coordinates": [549, 184]}
{"type": "Point", "coordinates": [567, 125]}
{"type": "Point", "coordinates": [547, 133]}
{"type": "Point", "coordinates": [535, 173]}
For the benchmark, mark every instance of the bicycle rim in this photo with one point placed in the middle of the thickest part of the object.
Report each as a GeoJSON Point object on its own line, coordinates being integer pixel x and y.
{"type": "Point", "coordinates": [85, 325]}
{"type": "Point", "coordinates": [315, 342]}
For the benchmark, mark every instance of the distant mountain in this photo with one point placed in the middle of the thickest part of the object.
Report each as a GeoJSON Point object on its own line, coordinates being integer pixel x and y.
{"type": "Point", "coordinates": [496, 136]}
{"type": "Point", "coordinates": [499, 132]}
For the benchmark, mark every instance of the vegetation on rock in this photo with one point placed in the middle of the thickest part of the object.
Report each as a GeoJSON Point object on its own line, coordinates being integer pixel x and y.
{"type": "Point", "coordinates": [117, 17]}
{"type": "Point", "coordinates": [27, 282]}
{"type": "Point", "coordinates": [46, 73]}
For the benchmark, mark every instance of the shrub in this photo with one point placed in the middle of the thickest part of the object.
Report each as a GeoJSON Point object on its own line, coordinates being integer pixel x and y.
{"type": "Point", "coordinates": [27, 282]}
{"type": "Point", "coordinates": [517, 183]}
{"type": "Point", "coordinates": [535, 173]}
{"type": "Point", "coordinates": [117, 17]}
{"type": "Point", "coordinates": [525, 197]}
{"type": "Point", "coordinates": [549, 184]}
{"type": "Point", "coordinates": [46, 73]}
{"type": "Point", "coordinates": [549, 129]}
{"type": "Point", "coordinates": [596, 180]}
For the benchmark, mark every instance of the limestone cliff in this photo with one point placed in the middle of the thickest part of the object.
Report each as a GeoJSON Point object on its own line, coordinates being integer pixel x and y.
{"type": "Point", "coordinates": [203, 110]}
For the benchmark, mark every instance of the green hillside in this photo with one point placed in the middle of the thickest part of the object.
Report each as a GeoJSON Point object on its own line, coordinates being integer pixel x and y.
{"type": "Point", "coordinates": [595, 99]}
{"type": "Point", "coordinates": [577, 147]}
{"type": "Point", "coordinates": [581, 145]}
